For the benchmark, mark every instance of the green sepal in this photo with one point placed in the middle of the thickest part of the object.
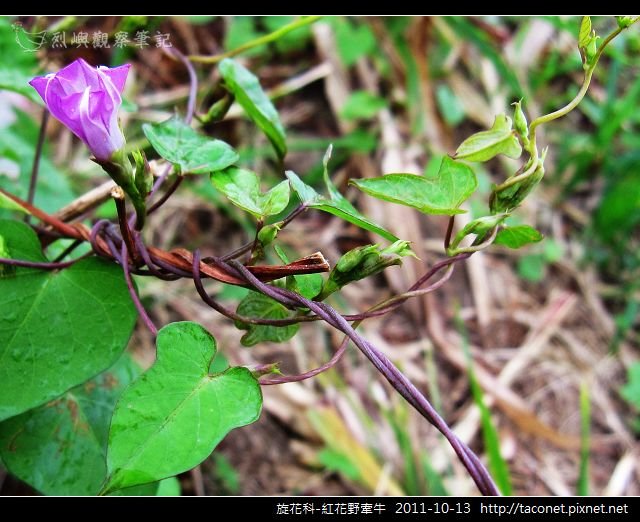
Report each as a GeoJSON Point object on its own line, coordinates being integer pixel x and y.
{"type": "Point", "coordinates": [143, 178]}
{"type": "Point", "coordinates": [121, 171]}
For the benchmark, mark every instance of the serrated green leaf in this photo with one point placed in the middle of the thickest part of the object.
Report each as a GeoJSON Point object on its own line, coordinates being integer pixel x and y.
{"type": "Point", "coordinates": [194, 153]}
{"type": "Point", "coordinates": [242, 187]}
{"type": "Point", "coordinates": [249, 94]}
{"type": "Point", "coordinates": [173, 416]}
{"type": "Point", "coordinates": [338, 206]}
{"type": "Point", "coordinates": [57, 329]}
{"type": "Point", "coordinates": [59, 448]}
{"type": "Point", "coordinates": [263, 307]}
{"type": "Point", "coordinates": [442, 194]}
{"type": "Point", "coordinates": [518, 236]}
{"type": "Point", "coordinates": [483, 146]}
{"type": "Point", "coordinates": [584, 35]}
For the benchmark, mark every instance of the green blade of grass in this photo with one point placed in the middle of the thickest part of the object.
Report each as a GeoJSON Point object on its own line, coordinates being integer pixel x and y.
{"type": "Point", "coordinates": [434, 483]}
{"type": "Point", "coordinates": [398, 418]}
{"type": "Point", "coordinates": [585, 421]}
{"type": "Point", "coordinates": [497, 465]}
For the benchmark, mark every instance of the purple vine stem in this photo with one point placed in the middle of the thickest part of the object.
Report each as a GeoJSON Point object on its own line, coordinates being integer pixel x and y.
{"type": "Point", "coordinates": [393, 375]}
{"type": "Point", "coordinates": [144, 253]}
{"type": "Point", "coordinates": [42, 265]}
{"type": "Point", "coordinates": [132, 291]}
{"type": "Point", "coordinates": [33, 180]}
{"type": "Point", "coordinates": [193, 83]}
{"type": "Point", "coordinates": [191, 108]}
{"type": "Point", "coordinates": [197, 280]}
{"type": "Point", "coordinates": [321, 310]}
{"type": "Point", "coordinates": [311, 373]}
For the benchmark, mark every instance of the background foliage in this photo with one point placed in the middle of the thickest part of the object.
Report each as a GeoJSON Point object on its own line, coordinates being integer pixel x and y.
{"type": "Point", "coordinates": [503, 349]}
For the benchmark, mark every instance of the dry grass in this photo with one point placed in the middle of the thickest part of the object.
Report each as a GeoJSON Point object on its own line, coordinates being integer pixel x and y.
{"type": "Point", "coordinates": [533, 344]}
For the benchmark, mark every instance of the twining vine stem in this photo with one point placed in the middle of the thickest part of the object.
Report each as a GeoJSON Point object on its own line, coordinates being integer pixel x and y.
{"type": "Point", "coordinates": [534, 160]}
{"type": "Point", "coordinates": [125, 246]}
{"type": "Point", "coordinates": [33, 180]}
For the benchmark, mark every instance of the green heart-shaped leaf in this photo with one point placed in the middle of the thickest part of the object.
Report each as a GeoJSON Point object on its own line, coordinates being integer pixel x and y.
{"type": "Point", "coordinates": [176, 413]}
{"type": "Point", "coordinates": [483, 146]}
{"type": "Point", "coordinates": [518, 236]}
{"type": "Point", "coordinates": [441, 194]}
{"type": "Point", "coordinates": [194, 153]}
{"type": "Point", "coordinates": [242, 187]}
{"type": "Point", "coordinates": [263, 307]}
{"type": "Point", "coordinates": [57, 329]}
{"type": "Point", "coordinates": [60, 447]}
{"type": "Point", "coordinates": [338, 206]}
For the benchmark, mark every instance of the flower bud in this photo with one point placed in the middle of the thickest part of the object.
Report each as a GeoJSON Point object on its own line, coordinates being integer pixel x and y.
{"type": "Point", "coordinates": [86, 100]}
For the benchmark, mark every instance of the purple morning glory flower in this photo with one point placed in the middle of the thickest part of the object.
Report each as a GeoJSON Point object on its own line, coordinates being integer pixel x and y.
{"type": "Point", "coordinates": [86, 99]}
